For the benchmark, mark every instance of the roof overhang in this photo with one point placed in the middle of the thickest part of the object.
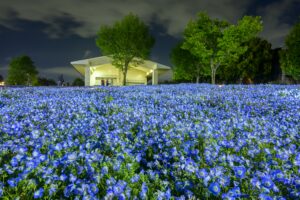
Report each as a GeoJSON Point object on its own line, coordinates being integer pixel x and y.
{"type": "Point", "coordinates": [146, 66]}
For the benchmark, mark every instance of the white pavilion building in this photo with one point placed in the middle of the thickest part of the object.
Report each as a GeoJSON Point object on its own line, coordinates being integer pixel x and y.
{"type": "Point", "coordinates": [100, 71]}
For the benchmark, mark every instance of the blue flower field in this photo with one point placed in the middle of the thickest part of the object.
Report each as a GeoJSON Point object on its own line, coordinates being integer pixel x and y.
{"type": "Point", "coordinates": [150, 142]}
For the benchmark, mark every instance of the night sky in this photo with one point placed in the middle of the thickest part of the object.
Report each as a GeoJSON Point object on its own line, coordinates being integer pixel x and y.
{"type": "Point", "coordinates": [55, 32]}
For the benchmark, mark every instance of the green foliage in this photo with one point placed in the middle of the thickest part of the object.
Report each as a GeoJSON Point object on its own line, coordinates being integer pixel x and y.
{"type": "Point", "coordinates": [45, 82]}
{"type": "Point", "coordinates": [78, 82]}
{"type": "Point", "coordinates": [128, 42]}
{"type": "Point", "coordinates": [218, 43]}
{"type": "Point", "coordinates": [186, 65]}
{"type": "Point", "coordinates": [22, 71]}
{"type": "Point", "coordinates": [254, 65]}
{"type": "Point", "coordinates": [290, 57]}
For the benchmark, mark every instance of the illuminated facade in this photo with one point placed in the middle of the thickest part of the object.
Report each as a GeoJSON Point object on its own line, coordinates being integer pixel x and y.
{"type": "Point", "coordinates": [100, 71]}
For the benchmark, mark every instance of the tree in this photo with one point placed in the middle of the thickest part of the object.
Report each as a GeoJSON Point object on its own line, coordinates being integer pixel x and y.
{"type": "Point", "coordinates": [78, 82]}
{"type": "Point", "coordinates": [128, 42]}
{"type": "Point", "coordinates": [217, 42]}
{"type": "Point", "coordinates": [1, 78]}
{"type": "Point", "coordinates": [254, 65]}
{"type": "Point", "coordinates": [22, 71]}
{"type": "Point", "coordinates": [290, 56]}
{"type": "Point", "coordinates": [46, 82]}
{"type": "Point", "coordinates": [186, 65]}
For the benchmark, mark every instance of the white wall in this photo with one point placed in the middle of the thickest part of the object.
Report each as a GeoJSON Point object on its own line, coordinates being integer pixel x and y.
{"type": "Point", "coordinates": [134, 76]}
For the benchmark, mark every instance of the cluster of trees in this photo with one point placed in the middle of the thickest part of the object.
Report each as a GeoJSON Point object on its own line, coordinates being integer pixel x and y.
{"type": "Point", "coordinates": [290, 55]}
{"type": "Point", "coordinates": [22, 71]}
{"type": "Point", "coordinates": [211, 50]}
{"type": "Point", "coordinates": [232, 53]}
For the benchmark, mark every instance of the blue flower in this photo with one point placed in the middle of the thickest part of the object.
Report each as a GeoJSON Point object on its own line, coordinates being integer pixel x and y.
{"type": "Point", "coordinates": [265, 197]}
{"type": "Point", "coordinates": [239, 171]}
{"type": "Point", "coordinates": [104, 170]}
{"type": "Point", "coordinates": [267, 182]}
{"type": "Point", "coordinates": [63, 177]}
{"type": "Point", "coordinates": [14, 162]}
{"type": "Point", "coordinates": [39, 193]}
{"type": "Point", "coordinates": [12, 182]}
{"type": "Point", "coordinates": [202, 173]}
{"type": "Point", "coordinates": [224, 181]}
{"type": "Point", "coordinates": [214, 188]}
{"type": "Point", "coordinates": [93, 188]}
{"type": "Point", "coordinates": [52, 189]}
{"type": "Point", "coordinates": [143, 192]}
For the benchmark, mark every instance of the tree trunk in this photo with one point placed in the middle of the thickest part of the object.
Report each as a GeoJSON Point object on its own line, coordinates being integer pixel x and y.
{"type": "Point", "coordinates": [197, 79]}
{"type": "Point", "coordinates": [282, 77]}
{"type": "Point", "coordinates": [125, 73]}
{"type": "Point", "coordinates": [213, 68]}
{"type": "Point", "coordinates": [124, 78]}
{"type": "Point", "coordinates": [213, 76]}
{"type": "Point", "coordinates": [213, 72]}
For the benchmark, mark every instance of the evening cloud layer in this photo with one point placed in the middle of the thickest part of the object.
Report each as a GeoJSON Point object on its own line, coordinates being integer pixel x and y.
{"type": "Point", "coordinates": [83, 18]}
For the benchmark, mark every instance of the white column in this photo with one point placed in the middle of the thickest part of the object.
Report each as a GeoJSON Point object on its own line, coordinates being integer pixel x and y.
{"type": "Point", "coordinates": [154, 77]}
{"type": "Point", "coordinates": [87, 76]}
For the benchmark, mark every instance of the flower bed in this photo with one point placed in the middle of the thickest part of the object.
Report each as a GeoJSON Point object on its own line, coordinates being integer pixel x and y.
{"type": "Point", "coordinates": [150, 142]}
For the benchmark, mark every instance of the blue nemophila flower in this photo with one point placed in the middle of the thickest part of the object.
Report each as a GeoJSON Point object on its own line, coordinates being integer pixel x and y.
{"type": "Point", "coordinates": [267, 182]}
{"type": "Point", "coordinates": [297, 160]}
{"type": "Point", "coordinates": [1, 188]}
{"type": "Point", "coordinates": [93, 188]}
{"type": "Point", "coordinates": [39, 193]}
{"type": "Point", "coordinates": [35, 134]}
{"type": "Point", "coordinates": [265, 197]}
{"type": "Point", "coordinates": [224, 181]}
{"type": "Point", "coordinates": [12, 182]}
{"type": "Point", "coordinates": [104, 170]}
{"type": "Point", "coordinates": [72, 178]}
{"type": "Point", "coordinates": [143, 192]}
{"type": "Point", "coordinates": [14, 162]}
{"type": "Point", "coordinates": [63, 177]}
{"type": "Point", "coordinates": [239, 171]}
{"type": "Point", "coordinates": [52, 189]}
{"type": "Point", "coordinates": [69, 189]}
{"type": "Point", "coordinates": [214, 188]}
{"type": "Point", "coordinates": [72, 157]}
{"type": "Point", "coordinates": [135, 178]}
{"type": "Point", "coordinates": [202, 173]}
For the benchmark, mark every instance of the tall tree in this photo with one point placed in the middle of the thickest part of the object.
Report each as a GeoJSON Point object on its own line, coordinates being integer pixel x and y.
{"type": "Point", "coordinates": [78, 82]}
{"type": "Point", "coordinates": [290, 56]}
{"type": "Point", "coordinates": [217, 42]}
{"type": "Point", "coordinates": [46, 82]}
{"type": "Point", "coordinates": [186, 65]}
{"type": "Point", "coordinates": [22, 71]}
{"type": "Point", "coordinates": [128, 42]}
{"type": "Point", "coordinates": [254, 65]}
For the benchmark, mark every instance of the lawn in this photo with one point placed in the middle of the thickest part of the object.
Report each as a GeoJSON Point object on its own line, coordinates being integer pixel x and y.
{"type": "Point", "coordinates": [150, 142]}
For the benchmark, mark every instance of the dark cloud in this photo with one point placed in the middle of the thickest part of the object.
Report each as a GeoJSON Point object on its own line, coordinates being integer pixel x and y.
{"type": "Point", "coordinates": [86, 16]}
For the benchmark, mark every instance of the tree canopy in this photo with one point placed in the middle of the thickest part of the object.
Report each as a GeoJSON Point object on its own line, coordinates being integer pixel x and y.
{"type": "Point", "coordinates": [78, 82]}
{"type": "Point", "coordinates": [254, 65]}
{"type": "Point", "coordinates": [22, 71]}
{"type": "Point", "coordinates": [128, 42]}
{"type": "Point", "coordinates": [217, 42]}
{"type": "Point", "coordinates": [186, 65]}
{"type": "Point", "coordinates": [290, 55]}
{"type": "Point", "coordinates": [46, 82]}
